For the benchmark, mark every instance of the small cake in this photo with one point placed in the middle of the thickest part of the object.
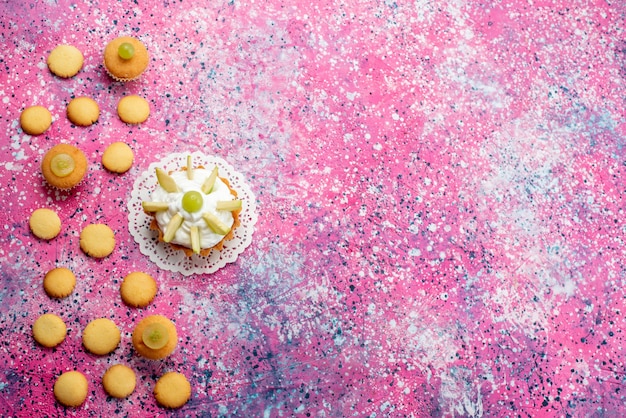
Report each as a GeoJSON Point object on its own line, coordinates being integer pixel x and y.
{"type": "Point", "coordinates": [118, 157]}
{"type": "Point", "coordinates": [35, 120]}
{"type": "Point", "coordinates": [125, 58]}
{"type": "Point", "coordinates": [71, 388]}
{"type": "Point", "coordinates": [44, 223]}
{"type": "Point", "coordinates": [65, 61]}
{"type": "Point", "coordinates": [155, 337]}
{"type": "Point", "coordinates": [59, 282]}
{"type": "Point", "coordinates": [64, 166]}
{"type": "Point", "coordinates": [97, 240]}
{"type": "Point", "coordinates": [49, 330]}
{"type": "Point", "coordinates": [119, 381]}
{"type": "Point", "coordinates": [133, 109]}
{"type": "Point", "coordinates": [138, 289]}
{"type": "Point", "coordinates": [194, 209]}
{"type": "Point", "coordinates": [83, 111]}
{"type": "Point", "coordinates": [172, 390]}
{"type": "Point", "coordinates": [101, 336]}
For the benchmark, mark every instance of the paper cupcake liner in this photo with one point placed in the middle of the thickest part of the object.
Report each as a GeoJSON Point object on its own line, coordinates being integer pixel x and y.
{"type": "Point", "coordinates": [116, 78]}
{"type": "Point", "coordinates": [163, 254]}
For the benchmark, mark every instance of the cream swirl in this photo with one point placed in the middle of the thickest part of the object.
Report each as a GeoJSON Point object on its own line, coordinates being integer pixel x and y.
{"type": "Point", "coordinates": [220, 192]}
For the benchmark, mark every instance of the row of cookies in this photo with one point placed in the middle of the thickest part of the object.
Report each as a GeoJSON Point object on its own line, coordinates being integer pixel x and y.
{"type": "Point", "coordinates": [84, 111]}
{"type": "Point", "coordinates": [96, 240]}
{"type": "Point", "coordinates": [137, 290]}
{"type": "Point", "coordinates": [119, 381]}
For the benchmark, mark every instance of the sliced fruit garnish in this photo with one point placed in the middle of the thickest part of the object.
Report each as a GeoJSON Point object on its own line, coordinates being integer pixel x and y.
{"type": "Point", "coordinates": [195, 239]}
{"type": "Point", "coordinates": [215, 224]}
{"type": "Point", "coordinates": [154, 206]}
{"type": "Point", "coordinates": [210, 181]}
{"type": "Point", "coordinates": [228, 205]}
{"type": "Point", "coordinates": [62, 165]}
{"type": "Point", "coordinates": [155, 336]}
{"type": "Point", "coordinates": [172, 227]}
{"type": "Point", "coordinates": [192, 201]}
{"type": "Point", "coordinates": [166, 181]}
{"type": "Point", "coordinates": [189, 168]}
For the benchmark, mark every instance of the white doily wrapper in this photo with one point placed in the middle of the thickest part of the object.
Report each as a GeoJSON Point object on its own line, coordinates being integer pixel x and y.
{"type": "Point", "coordinates": [162, 253]}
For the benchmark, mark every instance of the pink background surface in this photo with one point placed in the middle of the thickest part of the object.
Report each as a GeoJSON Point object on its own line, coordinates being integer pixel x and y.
{"type": "Point", "coordinates": [441, 192]}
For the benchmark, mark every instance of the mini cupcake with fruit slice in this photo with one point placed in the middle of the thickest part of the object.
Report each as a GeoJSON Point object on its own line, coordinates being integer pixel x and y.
{"type": "Point", "coordinates": [194, 209]}
{"type": "Point", "coordinates": [125, 58]}
{"type": "Point", "coordinates": [155, 337]}
{"type": "Point", "coordinates": [64, 166]}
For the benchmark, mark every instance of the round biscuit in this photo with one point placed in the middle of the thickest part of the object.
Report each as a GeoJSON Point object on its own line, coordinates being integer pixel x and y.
{"type": "Point", "coordinates": [118, 157]}
{"type": "Point", "coordinates": [133, 109]}
{"type": "Point", "coordinates": [59, 282]}
{"type": "Point", "coordinates": [49, 330]}
{"type": "Point", "coordinates": [119, 381]}
{"type": "Point", "coordinates": [35, 120]}
{"type": "Point", "coordinates": [65, 61]}
{"type": "Point", "coordinates": [97, 240]}
{"type": "Point", "coordinates": [44, 223]}
{"type": "Point", "coordinates": [101, 336]}
{"type": "Point", "coordinates": [138, 289]}
{"type": "Point", "coordinates": [83, 111]}
{"type": "Point", "coordinates": [172, 390]}
{"type": "Point", "coordinates": [70, 388]}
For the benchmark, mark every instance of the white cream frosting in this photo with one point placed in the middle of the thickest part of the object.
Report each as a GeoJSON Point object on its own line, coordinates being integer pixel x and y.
{"type": "Point", "coordinates": [220, 191]}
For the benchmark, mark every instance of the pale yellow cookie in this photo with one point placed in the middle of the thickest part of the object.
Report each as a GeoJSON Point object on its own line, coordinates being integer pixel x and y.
{"type": "Point", "coordinates": [133, 109]}
{"type": "Point", "coordinates": [138, 289]}
{"type": "Point", "coordinates": [35, 120]}
{"type": "Point", "coordinates": [71, 388]}
{"type": "Point", "coordinates": [101, 336]}
{"type": "Point", "coordinates": [59, 282]}
{"type": "Point", "coordinates": [83, 111]}
{"type": "Point", "coordinates": [49, 330]}
{"type": "Point", "coordinates": [119, 381]}
{"type": "Point", "coordinates": [172, 390]}
{"type": "Point", "coordinates": [97, 240]}
{"type": "Point", "coordinates": [45, 223]}
{"type": "Point", "coordinates": [65, 61]}
{"type": "Point", "coordinates": [118, 157]}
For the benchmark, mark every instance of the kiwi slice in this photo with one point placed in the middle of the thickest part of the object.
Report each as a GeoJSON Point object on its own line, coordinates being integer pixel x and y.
{"type": "Point", "coordinates": [189, 168]}
{"type": "Point", "coordinates": [155, 336]}
{"type": "Point", "coordinates": [167, 182]}
{"type": "Point", "coordinates": [62, 165]}
{"type": "Point", "coordinates": [172, 227]}
{"type": "Point", "coordinates": [154, 206]}
{"type": "Point", "coordinates": [207, 186]}
{"type": "Point", "coordinates": [215, 224]}
{"type": "Point", "coordinates": [195, 239]}
{"type": "Point", "coordinates": [228, 205]}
